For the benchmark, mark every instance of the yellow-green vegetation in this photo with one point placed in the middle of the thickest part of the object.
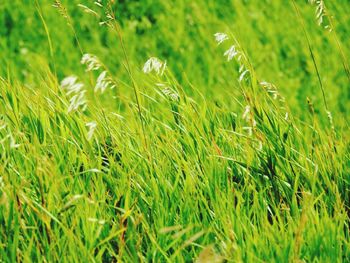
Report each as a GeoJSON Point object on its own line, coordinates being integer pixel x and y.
{"type": "Point", "coordinates": [174, 131]}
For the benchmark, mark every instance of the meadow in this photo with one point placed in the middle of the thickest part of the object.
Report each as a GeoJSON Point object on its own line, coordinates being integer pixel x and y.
{"type": "Point", "coordinates": [174, 131]}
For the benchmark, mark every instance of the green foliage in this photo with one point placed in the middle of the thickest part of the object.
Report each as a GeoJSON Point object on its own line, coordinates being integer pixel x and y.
{"type": "Point", "coordinates": [191, 160]}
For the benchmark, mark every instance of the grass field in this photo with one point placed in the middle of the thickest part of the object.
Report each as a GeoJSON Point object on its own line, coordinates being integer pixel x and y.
{"type": "Point", "coordinates": [174, 131]}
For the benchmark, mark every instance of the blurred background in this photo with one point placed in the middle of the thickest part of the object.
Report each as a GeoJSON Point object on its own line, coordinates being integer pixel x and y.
{"type": "Point", "coordinates": [181, 32]}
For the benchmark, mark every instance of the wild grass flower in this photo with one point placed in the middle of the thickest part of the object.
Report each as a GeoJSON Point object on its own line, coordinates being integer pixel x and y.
{"type": "Point", "coordinates": [320, 8]}
{"type": "Point", "coordinates": [61, 9]}
{"type": "Point", "coordinates": [242, 75]}
{"type": "Point", "coordinates": [171, 94]}
{"type": "Point", "coordinates": [71, 85]}
{"type": "Point", "coordinates": [154, 64]}
{"type": "Point", "coordinates": [231, 53]}
{"type": "Point", "coordinates": [248, 117]}
{"type": "Point", "coordinates": [91, 129]}
{"type": "Point", "coordinates": [246, 112]}
{"type": "Point", "coordinates": [272, 90]}
{"type": "Point", "coordinates": [168, 92]}
{"type": "Point", "coordinates": [92, 62]}
{"type": "Point", "coordinates": [13, 143]}
{"type": "Point", "coordinates": [330, 118]}
{"type": "Point", "coordinates": [104, 82]}
{"type": "Point", "coordinates": [220, 37]}
{"type": "Point", "coordinates": [253, 121]}
{"type": "Point", "coordinates": [321, 14]}
{"type": "Point", "coordinates": [77, 101]}
{"type": "Point", "coordinates": [235, 52]}
{"type": "Point", "coordinates": [98, 3]}
{"type": "Point", "coordinates": [8, 137]}
{"type": "Point", "coordinates": [77, 93]}
{"type": "Point", "coordinates": [64, 13]}
{"type": "Point", "coordinates": [88, 10]}
{"type": "Point", "coordinates": [286, 116]}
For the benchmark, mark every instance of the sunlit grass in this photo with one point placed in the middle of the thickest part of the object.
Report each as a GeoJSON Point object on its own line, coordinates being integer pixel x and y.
{"type": "Point", "coordinates": [151, 161]}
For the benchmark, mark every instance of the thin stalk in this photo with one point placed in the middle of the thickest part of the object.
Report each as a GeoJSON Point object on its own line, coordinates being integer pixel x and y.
{"type": "Point", "coordinates": [341, 51]}
{"type": "Point", "coordinates": [47, 34]}
{"type": "Point", "coordinates": [116, 27]}
{"type": "Point", "coordinates": [312, 54]}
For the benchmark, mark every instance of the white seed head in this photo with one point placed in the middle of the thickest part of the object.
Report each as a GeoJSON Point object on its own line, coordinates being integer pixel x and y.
{"type": "Point", "coordinates": [13, 143]}
{"type": "Point", "coordinates": [76, 92]}
{"type": "Point", "coordinates": [91, 62]}
{"type": "Point", "coordinates": [154, 64]}
{"type": "Point", "coordinates": [92, 127]}
{"type": "Point", "coordinates": [242, 75]}
{"type": "Point", "coordinates": [246, 112]}
{"type": "Point", "coordinates": [286, 116]}
{"type": "Point", "coordinates": [77, 101]}
{"type": "Point", "coordinates": [68, 81]}
{"type": "Point", "coordinates": [98, 3]}
{"type": "Point", "coordinates": [171, 94]}
{"type": "Point", "coordinates": [220, 37]}
{"type": "Point", "coordinates": [231, 53]}
{"type": "Point", "coordinates": [321, 14]}
{"type": "Point", "coordinates": [254, 122]}
{"type": "Point", "coordinates": [103, 82]}
{"type": "Point", "coordinates": [88, 10]}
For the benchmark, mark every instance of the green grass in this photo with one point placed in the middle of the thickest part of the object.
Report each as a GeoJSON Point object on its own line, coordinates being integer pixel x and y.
{"type": "Point", "coordinates": [188, 165]}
